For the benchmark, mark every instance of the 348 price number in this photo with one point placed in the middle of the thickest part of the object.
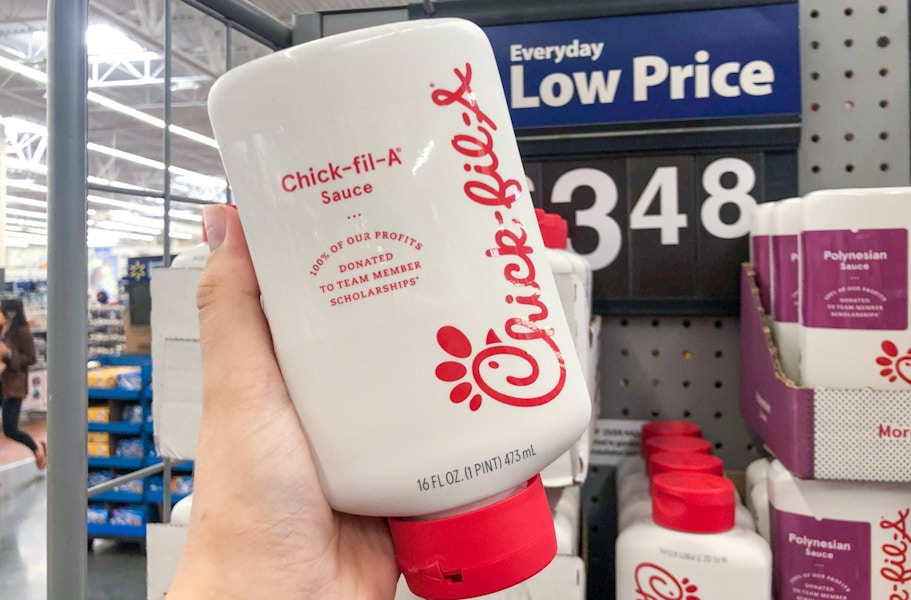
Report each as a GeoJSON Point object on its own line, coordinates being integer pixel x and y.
{"type": "Point", "coordinates": [725, 181]}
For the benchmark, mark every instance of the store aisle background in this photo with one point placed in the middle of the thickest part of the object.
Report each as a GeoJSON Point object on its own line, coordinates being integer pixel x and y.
{"type": "Point", "coordinates": [116, 571]}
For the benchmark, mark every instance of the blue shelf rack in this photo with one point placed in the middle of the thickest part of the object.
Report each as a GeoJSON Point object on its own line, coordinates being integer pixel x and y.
{"type": "Point", "coordinates": [117, 400]}
{"type": "Point", "coordinates": [149, 500]}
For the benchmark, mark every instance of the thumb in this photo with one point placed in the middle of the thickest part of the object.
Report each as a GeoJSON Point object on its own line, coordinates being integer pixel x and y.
{"type": "Point", "coordinates": [238, 357]}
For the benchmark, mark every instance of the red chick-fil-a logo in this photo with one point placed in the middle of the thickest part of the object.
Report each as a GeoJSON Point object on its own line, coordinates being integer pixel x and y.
{"type": "Point", "coordinates": [656, 583]}
{"type": "Point", "coordinates": [488, 187]}
{"type": "Point", "coordinates": [896, 571]}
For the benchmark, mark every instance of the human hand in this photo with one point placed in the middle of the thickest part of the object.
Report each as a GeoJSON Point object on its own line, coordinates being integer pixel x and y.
{"type": "Point", "coordinates": [4, 349]}
{"type": "Point", "coordinates": [260, 525]}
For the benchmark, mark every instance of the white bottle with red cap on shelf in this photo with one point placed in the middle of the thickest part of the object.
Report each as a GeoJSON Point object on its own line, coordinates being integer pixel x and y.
{"type": "Point", "coordinates": [666, 427]}
{"type": "Point", "coordinates": [634, 495]}
{"type": "Point", "coordinates": [573, 279]}
{"type": "Point", "coordinates": [638, 505]}
{"type": "Point", "coordinates": [692, 547]}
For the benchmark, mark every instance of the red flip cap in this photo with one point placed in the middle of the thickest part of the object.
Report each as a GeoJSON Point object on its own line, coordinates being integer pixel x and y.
{"type": "Point", "coordinates": [479, 552]}
{"type": "Point", "coordinates": [666, 462]}
{"type": "Point", "coordinates": [693, 502]}
{"type": "Point", "coordinates": [672, 443]}
{"type": "Point", "coordinates": [554, 231]}
{"type": "Point", "coordinates": [667, 427]}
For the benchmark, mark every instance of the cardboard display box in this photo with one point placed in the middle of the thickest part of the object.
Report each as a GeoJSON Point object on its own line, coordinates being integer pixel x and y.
{"type": "Point", "coordinates": [818, 433]}
{"type": "Point", "coordinates": [176, 362]}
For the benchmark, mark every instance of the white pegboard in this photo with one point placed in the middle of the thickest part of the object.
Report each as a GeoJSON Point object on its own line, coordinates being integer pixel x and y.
{"type": "Point", "coordinates": [677, 368]}
{"type": "Point", "coordinates": [854, 71]}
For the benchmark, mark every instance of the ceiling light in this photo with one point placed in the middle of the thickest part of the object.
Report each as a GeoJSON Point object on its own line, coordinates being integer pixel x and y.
{"type": "Point", "coordinates": [26, 185]}
{"type": "Point", "coordinates": [118, 226]}
{"type": "Point", "coordinates": [26, 213]}
{"type": "Point", "coordinates": [101, 38]}
{"type": "Point", "coordinates": [26, 222]}
{"type": "Point", "coordinates": [20, 69]}
{"type": "Point", "coordinates": [25, 201]}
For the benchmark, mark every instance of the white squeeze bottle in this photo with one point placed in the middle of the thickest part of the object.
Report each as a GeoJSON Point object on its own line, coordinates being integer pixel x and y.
{"type": "Point", "coordinates": [760, 252]}
{"type": "Point", "coordinates": [786, 225]}
{"type": "Point", "coordinates": [412, 310]}
{"type": "Point", "coordinates": [691, 548]}
{"type": "Point", "coordinates": [636, 463]}
{"type": "Point", "coordinates": [845, 539]}
{"type": "Point", "coordinates": [756, 472]}
{"type": "Point", "coordinates": [854, 299]}
{"type": "Point", "coordinates": [573, 278]}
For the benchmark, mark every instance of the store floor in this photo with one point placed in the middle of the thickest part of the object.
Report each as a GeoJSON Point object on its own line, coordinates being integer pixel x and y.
{"type": "Point", "coordinates": [115, 571]}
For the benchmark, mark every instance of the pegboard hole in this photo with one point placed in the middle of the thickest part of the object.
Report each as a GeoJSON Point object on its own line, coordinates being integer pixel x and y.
{"type": "Point", "coordinates": [687, 414]}
{"type": "Point", "coordinates": [656, 382]}
{"type": "Point", "coordinates": [624, 382]}
{"type": "Point", "coordinates": [815, 168]}
{"type": "Point", "coordinates": [814, 45]}
{"type": "Point", "coordinates": [814, 107]}
{"type": "Point", "coordinates": [594, 468]}
{"type": "Point", "coordinates": [623, 322]}
{"type": "Point", "coordinates": [751, 447]}
{"type": "Point", "coordinates": [718, 414]}
{"type": "Point", "coordinates": [814, 75]}
{"type": "Point", "coordinates": [718, 446]}
{"type": "Point", "coordinates": [883, 9]}
{"type": "Point", "coordinates": [849, 137]}
{"type": "Point", "coordinates": [686, 384]}
{"type": "Point", "coordinates": [884, 167]}
{"type": "Point", "coordinates": [718, 385]}
{"type": "Point", "coordinates": [656, 414]}
{"type": "Point", "coordinates": [686, 323]}
{"type": "Point", "coordinates": [849, 12]}
{"type": "Point", "coordinates": [849, 42]}
{"type": "Point", "coordinates": [814, 138]}
{"type": "Point", "coordinates": [655, 322]}
{"type": "Point", "coordinates": [624, 352]}
{"type": "Point", "coordinates": [849, 105]}
{"type": "Point", "coordinates": [718, 324]}
{"type": "Point", "coordinates": [718, 353]}
{"type": "Point", "coordinates": [656, 353]}
{"type": "Point", "coordinates": [884, 135]}
{"type": "Point", "coordinates": [849, 168]}
{"type": "Point", "coordinates": [625, 412]}
{"type": "Point", "coordinates": [883, 41]}
{"type": "Point", "coordinates": [814, 14]}
{"type": "Point", "coordinates": [883, 72]}
{"type": "Point", "coordinates": [594, 499]}
{"type": "Point", "coordinates": [849, 74]}
{"type": "Point", "coordinates": [883, 103]}
{"type": "Point", "coordinates": [687, 354]}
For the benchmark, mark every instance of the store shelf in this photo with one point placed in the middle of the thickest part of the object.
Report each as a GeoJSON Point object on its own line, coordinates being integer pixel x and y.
{"type": "Point", "coordinates": [115, 531]}
{"type": "Point", "coordinates": [125, 497]}
{"type": "Point", "coordinates": [117, 427]}
{"type": "Point", "coordinates": [114, 462]}
{"type": "Point", "coordinates": [115, 394]}
{"type": "Point", "coordinates": [157, 497]}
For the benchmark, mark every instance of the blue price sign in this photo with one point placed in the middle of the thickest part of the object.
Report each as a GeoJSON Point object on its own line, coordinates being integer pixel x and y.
{"type": "Point", "coordinates": [731, 62]}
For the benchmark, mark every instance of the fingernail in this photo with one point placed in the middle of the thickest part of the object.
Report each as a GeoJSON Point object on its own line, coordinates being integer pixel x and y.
{"type": "Point", "coordinates": [214, 218]}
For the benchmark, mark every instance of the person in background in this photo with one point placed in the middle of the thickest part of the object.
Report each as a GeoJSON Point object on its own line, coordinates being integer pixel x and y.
{"type": "Point", "coordinates": [17, 352]}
